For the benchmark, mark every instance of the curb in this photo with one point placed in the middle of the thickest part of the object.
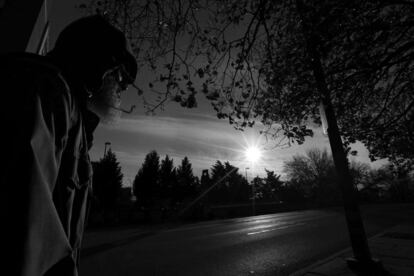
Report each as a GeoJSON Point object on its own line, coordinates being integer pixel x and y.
{"type": "Point", "coordinates": [309, 268]}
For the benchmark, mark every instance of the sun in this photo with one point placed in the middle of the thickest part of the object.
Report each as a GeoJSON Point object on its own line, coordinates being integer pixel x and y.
{"type": "Point", "coordinates": [253, 154]}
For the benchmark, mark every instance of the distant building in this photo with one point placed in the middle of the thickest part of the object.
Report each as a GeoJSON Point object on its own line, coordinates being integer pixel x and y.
{"type": "Point", "coordinates": [24, 26]}
{"type": "Point", "coordinates": [125, 194]}
{"type": "Point", "coordinates": [205, 179]}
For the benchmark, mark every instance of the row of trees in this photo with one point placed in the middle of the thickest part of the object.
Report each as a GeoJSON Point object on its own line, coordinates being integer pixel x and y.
{"type": "Point", "coordinates": [314, 177]}
{"type": "Point", "coordinates": [160, 187]}
{"type": "Point", "coordinates": [158, 184]}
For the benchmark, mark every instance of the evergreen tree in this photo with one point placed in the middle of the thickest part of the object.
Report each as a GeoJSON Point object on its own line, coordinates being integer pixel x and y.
{"type": "Point", "coordinates": [167, 180]}
{"type": "Point", "coordinates": [270, 187]}
{"type": "Point", "coordinates": [220, 193]}
{"type": "Point", "coordinates": [146, 184]}
{"type": "Point", "coordinates": [185, 186]}
{"type": "Point", "coordinates": [239, 188]}
{"type": "Point", "coordinates": [258, 188]}
{"type": "Point", "coordinates": [233, 186]}
{"type": "Point", "coordinates": [107, 182]}
{"type": "Point", "coordinates": [273, 181]}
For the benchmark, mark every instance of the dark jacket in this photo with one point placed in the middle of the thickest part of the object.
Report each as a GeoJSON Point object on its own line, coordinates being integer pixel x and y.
{"type": "Point", "coordinates": [46, 176]}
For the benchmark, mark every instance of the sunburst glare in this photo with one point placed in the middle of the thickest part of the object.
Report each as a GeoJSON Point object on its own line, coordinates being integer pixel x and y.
{"type": "Point", "coordinates": [253, 154]}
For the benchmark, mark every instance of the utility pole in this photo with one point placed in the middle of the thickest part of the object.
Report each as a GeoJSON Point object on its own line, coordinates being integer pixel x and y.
{"type": "Point", "coordinates": [253, 193]}
{"type": "Point", "coordinates": [362, 260]}
{"type": "Point", "coordinates": [253, 198]}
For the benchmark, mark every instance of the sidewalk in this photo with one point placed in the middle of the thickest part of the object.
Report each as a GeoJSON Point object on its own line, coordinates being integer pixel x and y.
{"type": "Point", "coordinates": [394, 248]}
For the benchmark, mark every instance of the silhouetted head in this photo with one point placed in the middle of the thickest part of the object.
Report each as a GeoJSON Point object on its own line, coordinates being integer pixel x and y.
{"type": "Point", "coordinates": [96, 55]}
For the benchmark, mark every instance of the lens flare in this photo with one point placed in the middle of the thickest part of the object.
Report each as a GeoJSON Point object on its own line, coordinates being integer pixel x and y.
{"type": "Point", "coordinates": [253, 154]}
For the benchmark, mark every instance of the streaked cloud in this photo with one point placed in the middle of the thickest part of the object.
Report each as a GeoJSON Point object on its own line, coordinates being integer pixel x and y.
{"type": "Point", "coordinates": [202, 138]}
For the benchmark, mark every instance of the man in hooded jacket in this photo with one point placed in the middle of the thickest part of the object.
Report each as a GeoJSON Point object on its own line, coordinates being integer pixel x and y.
{"type": "Point", "coordinates": [51, 106]}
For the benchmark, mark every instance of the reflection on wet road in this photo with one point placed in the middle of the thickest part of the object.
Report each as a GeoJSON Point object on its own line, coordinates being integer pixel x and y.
{"type": "Point", "coordinates": [276, 244]}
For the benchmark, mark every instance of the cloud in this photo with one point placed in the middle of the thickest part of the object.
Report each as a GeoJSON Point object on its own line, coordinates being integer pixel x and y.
{"type": "Point", "coordinates": [202, 138]}
{"type": "Point", "coordinates": [188, 129]}
{"type": "Point", "coordinates": [201, 135]}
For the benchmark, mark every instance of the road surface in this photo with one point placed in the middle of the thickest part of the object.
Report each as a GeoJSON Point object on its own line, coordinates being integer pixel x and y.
{"type": "Point", "coordinates": [276, 244]}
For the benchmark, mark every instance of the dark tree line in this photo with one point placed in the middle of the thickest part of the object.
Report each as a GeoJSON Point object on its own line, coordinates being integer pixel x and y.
{"type": "Point", "coordinates": [159, 186]}
{"type": "Point", "coordinates": [163, 190]}
{"type": "Point", "coordinates": [313, 177]}
{"type": "Point", "coordinates": [309, 179]}
{"type": "Point", "coordinates": [233, 187]}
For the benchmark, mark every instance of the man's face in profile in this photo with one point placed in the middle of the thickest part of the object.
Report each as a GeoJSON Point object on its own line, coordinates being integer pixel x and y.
{"type": "Point", "coordinates": [106, 101]}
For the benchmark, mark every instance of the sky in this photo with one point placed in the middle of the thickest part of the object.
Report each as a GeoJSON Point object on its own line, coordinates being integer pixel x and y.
{"type": "Point", "coordinates": [178, 132]}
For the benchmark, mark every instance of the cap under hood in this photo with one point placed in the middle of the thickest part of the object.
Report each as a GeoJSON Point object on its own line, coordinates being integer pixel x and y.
{"type": "Point", "coordinates": [90, 47]}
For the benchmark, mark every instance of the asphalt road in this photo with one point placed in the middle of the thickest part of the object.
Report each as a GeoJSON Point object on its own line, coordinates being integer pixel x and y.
{"type": "Point", "coordinates": [276, 244]}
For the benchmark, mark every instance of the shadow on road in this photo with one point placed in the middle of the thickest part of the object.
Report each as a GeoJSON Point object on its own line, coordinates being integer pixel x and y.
{"type": "Point", "coordinates": [86, 252]}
